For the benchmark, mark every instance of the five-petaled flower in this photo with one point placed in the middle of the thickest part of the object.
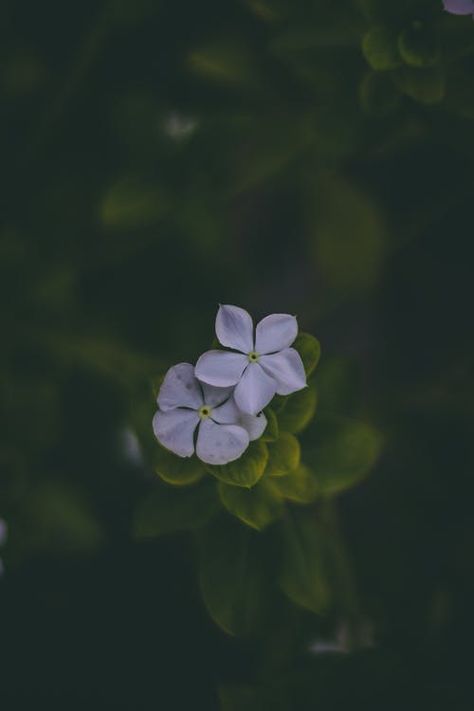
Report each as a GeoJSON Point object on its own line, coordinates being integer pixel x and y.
{"type": "Point", "coordinates": [187, 407]}
{"type": "Point", "coordinates": [264, 364]}
{"type": "Point", "coordinates": [459, 7]}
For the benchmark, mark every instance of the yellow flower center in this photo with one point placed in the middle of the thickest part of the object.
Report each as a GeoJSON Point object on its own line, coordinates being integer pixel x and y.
{"type": "Point", "coordinates": [204, 412]}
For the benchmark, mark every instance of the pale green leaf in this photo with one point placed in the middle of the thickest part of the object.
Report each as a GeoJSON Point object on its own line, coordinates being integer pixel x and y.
{"type": "Point", "coordinates": [341, 453]}
{"type": "Point", "coordinates": [298, 409]}
{"type": "Point", "coordinates": [309, 349]}
{"type": "Point", "coordinates": [257, 507]}
{"type": "Point", "coordinates": [245, 471]}
{"type": "Point", "coordinates": [176, 470]}
{"type": "Point", "coordinates": [380, 49]}
{"type": "Point", "coordinates": [271, 430]}
{"type": "Point", "coordinates": [284, 456]}
{"type": "Point", "coordinates": [300, 486]}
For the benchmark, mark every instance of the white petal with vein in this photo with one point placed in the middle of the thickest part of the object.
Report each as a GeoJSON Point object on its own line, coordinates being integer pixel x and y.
{"type": "Point", "coordinates": [220, 444]}
{"type": "Point", "coordinates": [215, 396]}
{"type": "Point", "coordinates": [287, 369]}
{"type": "Point", "coordinates": [220, 368]}
{"type": "Point", "coordinates": [255, 390]}
{"type": "Point", "coordinates": [175, 430]}
{"type": "Point", "coordinates": [275, 332]}
{"type": "Point", "coordinates": [234, 328]}
{"type": "Point", "coordinates": [180, 389]}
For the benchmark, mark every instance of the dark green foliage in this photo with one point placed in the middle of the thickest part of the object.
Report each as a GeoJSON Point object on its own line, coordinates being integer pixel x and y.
{"type": "Point", "coordinates": [231, 576]}
{"type": "Point", "coordinates": [303, 574]}
{"type": "Point", "coordinates": [418, 47]}
{"type": "Point", "coordinates": [427, 85]}
{"type": "Point", "coordinates": [315, 158]}
{"type": "Point", "coordinates": [171, 509]}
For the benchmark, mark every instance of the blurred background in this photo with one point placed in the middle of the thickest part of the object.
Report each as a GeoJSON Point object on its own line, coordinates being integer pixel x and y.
{"type": "Point", "coordinates": [159, 158]}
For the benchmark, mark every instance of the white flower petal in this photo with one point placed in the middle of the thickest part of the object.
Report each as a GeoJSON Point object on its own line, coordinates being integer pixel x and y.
{"type": "Point", "coordinates": [234, 328]}
{"type": "Point", "coordinates": [254, 424]}
{"type": "Point", "coordinates": [220, 368]}
{"type": "Point", "coordinates": [220, 444]}
{"type": "Point", "coordinates": [175, 430]}
{"type": "Point", "coordinates": [227, 414]}
{"type": "Point", "coordinates": [180, 389]}
{"type": "Point", "coordinates": [215, 396]}
{"type": "Point", "coordinates": [287, 369]}
{"type": "Point", "coordinates": [275, 332]}
{"type": "Point", "coordinates": [255, 390]}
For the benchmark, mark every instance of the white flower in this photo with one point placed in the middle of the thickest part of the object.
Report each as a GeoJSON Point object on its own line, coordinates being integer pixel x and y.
{"type": "Point", "coordinates": [265, 364]}
{"type": "Point", "coordinates": [186, 405]}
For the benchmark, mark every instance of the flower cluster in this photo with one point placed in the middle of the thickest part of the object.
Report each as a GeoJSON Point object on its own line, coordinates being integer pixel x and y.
{"type": "Point", "coordinates": [215, 408]}
{"type": "Point", "coordinates": [459, 7]}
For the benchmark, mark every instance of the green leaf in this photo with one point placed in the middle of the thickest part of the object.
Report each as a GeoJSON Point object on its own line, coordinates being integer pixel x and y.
{"type": "Point", "coordinates": [284, 456]}
{"type": "Point", "coordinates": [271, 430]}
{"type": "Point", "coordinates": [298, 409]}
{"type": "Point", "coordinates": [257, 507]}
{"type": "Point", "coordinates": [231, 576]}
{"type": "Point", "coordinates": [177, 470]}
{"type": "Point", "coordinates": [380, 49]}
{"type": "Point", "coordinates": [170, 509]}
{"type": "Point", "coordinates": [417, 47]}
{"type": "Point", "coordinates": [341, 453]}
{"type": "Point", "coordinates": [309, 349]}
{"type": "Point", "coordinates": [427, 85]}
{"type": "Point", "coordinates": [245, 471]}
{"type": "Point", "coordinates": [303, 576]}
{"type": "Point", "coordinates": [339, 386]}
{"type": "Point", "coordinates": [300, 486]}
